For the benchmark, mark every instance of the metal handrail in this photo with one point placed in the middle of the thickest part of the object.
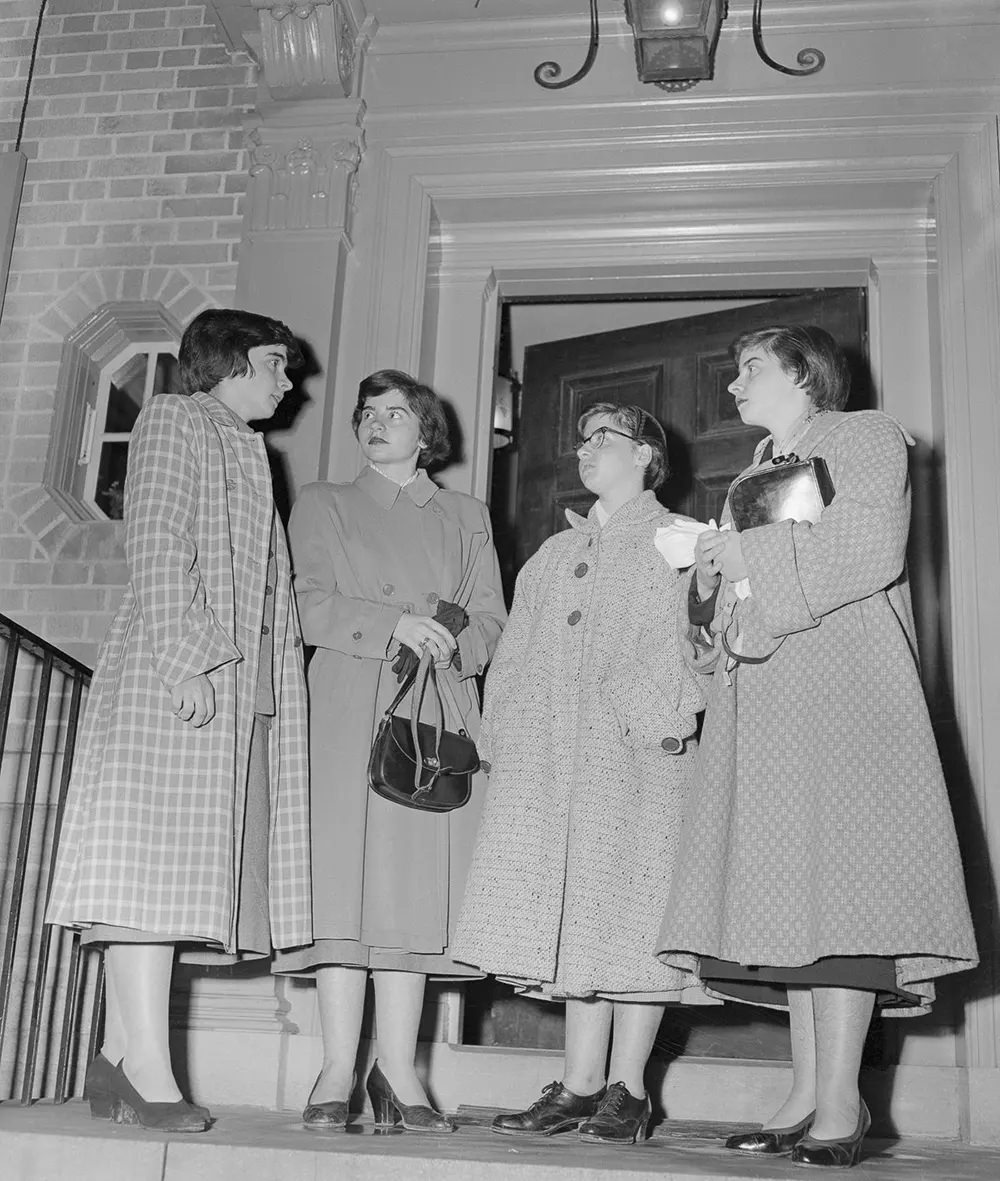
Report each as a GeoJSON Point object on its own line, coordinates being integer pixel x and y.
{"type": "Point", "coordinates": [52, 956]}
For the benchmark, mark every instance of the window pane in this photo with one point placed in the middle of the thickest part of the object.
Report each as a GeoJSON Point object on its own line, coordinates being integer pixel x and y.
{"type": "Point", "coordinates": [111, 479]}
{"type": "Point", "coordinates": [125, 395]}
{"type": "Point", "coordinates": [166, 380]}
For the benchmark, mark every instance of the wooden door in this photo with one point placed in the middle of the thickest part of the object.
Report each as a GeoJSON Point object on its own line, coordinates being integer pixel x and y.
{"type": "Point", "coordinates": [679, 371]}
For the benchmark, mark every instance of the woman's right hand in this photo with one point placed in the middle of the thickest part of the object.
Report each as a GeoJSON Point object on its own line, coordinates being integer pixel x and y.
{"type": "Point", "coordinates": [421, 632]}
{"type": "Point", "coordinates": [707, 561]}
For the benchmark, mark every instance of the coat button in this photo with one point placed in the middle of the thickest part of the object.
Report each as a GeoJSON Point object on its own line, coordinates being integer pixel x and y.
{"type": "Point", "coordinates": [265, 630]}
{"type": "Point", "coordinates": [485, 766]}
{"type": "Point", "coordinates": [672, 745]}
{"type": "Point", "coordinates": [432, 598]}
{"type": "Point", "coordinates": [388, 589]}
{"type": "Point", "coordinates": [357, 635]}
{"type": "Point", "coordinates": [581, 570]}
{"type": "Point", "coordinates": [573, 618]}
{"type": "Point", "coordinates": [268, 590]}
{"type": "Point", "coordinates": [297, 642]}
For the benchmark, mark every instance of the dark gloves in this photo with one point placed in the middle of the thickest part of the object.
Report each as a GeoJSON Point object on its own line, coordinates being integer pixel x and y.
{"type": "Point", "coordinates": [449, 615]}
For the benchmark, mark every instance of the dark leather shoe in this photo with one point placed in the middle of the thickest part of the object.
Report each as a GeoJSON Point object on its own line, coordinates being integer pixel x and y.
{"type": "Point", "coordinates": [330, 1116]}
{"type": "Point", "coordinates": [557, 1110]}
{"type": "Point", "coordinates": [388, 1111]}
{"type": "Point", "coordinates": [773, 1141]}
{"type": "Point", "coordinates": [833, 1154]}
{"type": "Point", "coordinates": [620, 1117]}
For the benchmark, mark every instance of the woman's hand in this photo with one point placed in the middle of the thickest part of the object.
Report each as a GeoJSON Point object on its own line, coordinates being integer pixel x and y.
{"type": "Point", "coordinates": [718, 552]}
{"type": "Point", "coordinates": [193, 700]}
{"type": "Point", "coordinates": [420, 632]}
{"type": "Point", "coordinates": [707, 551]}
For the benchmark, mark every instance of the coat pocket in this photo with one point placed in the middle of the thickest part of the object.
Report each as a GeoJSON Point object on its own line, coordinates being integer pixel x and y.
{"type": "Point", "coordinates": [647, 717]}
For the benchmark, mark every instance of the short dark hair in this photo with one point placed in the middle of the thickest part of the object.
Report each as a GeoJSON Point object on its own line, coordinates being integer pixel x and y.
{"type": "Point", "coordinates": [641, 427]}
{"type": "Point", "coordinates": [421, 399]}
{"type": "Point", "coordinates": [217, 342]}
{"type": "Point", "coordinates": [807, 354]}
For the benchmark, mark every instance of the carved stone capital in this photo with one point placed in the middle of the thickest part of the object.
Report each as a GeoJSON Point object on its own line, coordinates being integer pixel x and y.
{"type": "Point", "coordinates": [308, 48]}
{"type": "Point", "coordinates": [302, 178]}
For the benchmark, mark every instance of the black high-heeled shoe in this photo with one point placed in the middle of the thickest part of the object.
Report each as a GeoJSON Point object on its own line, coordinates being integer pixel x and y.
{"type": "Point", "coordinates": [771, 1141]}
{"type": "Point", "coordinates": [332, 1115]}
{"type": "Point", "coordinates": [129, 1107]}
{"type": "Point", "coordinates": [834, 1154]}
{"type": "Point", "coordinates": [389, 1111]}
{"type": "Point", "coordinates": [99, 1093]}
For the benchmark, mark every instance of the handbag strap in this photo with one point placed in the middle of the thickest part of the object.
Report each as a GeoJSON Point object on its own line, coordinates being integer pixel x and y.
{"type": "Point", "coordinates": [426, 674]}
{"type": "Point", "coordinates": [418, 679]}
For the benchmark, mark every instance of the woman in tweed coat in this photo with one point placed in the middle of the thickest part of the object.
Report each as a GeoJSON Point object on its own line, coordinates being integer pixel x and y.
{"type": "Point", "coordinates": [386, 567]}
{"type": "Point", "coordinates": [588, 722]}
{"type": "Point", "coordinates": [820, 868]}
{"type": "Point", "coordinates": [194, 746]}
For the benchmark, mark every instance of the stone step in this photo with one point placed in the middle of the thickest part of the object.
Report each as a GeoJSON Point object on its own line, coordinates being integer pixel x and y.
{"type": "Point", "coordinates": [53, 1143]}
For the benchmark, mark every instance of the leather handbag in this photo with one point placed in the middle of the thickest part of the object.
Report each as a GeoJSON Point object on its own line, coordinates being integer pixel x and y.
{"type": "Point", "coordinates": [791, 488]}
{"type": "Point", "coordinates": [420, 764]}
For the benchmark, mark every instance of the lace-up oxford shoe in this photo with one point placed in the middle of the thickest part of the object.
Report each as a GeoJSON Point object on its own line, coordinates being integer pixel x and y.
{"type": "Point", "coordinates": [557, 1110]}
{"type": "Point", "coordinates": [620, 1118]}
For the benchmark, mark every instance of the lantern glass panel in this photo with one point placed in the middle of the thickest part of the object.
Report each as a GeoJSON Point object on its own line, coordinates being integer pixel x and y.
{"type": "Point", "coordinates": [663, 17]}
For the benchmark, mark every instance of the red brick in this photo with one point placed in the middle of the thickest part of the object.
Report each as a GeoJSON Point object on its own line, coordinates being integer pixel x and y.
{"type": "Point", "coordinates": [184, 255]}
{"type": "Point", "coordinates": [206, 162]}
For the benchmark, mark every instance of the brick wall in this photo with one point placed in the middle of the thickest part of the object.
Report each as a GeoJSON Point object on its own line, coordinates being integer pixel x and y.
{"type": "Point", "coordinates": [133, 190]}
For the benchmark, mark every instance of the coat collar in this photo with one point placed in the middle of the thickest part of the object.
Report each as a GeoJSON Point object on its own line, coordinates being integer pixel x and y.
{"type": "Point", "coordinates": [386, 492]}
{"type": "Point", "coordinates": [641, 508]}
{"type": "Point", "coordinates": [220, 413]}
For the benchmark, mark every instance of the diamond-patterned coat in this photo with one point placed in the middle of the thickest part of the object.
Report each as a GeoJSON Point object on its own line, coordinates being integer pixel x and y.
{"type": "Point", "coordinates": [819, 821]}
{"type": "Point", "coordinates": [154, 817]}
{"type": "Point", "coordinates": [582, 821]}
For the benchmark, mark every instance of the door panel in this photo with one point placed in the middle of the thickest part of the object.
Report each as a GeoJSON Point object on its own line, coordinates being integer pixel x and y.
{"type": "Point", "coordinates": [679, 371]}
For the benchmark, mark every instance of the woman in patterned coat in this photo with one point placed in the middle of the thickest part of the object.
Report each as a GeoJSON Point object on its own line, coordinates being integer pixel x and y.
{"type": "Point", "coordinates": [194, 746]}
{"type": "Point", "coordinates": [386, 567]}
{"type": "Point", "coordinates": [820, 868]}
{"type": "Point", "coordinates": [588, 722]}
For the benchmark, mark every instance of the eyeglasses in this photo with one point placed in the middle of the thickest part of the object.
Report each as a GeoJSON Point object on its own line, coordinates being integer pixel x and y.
{"type": "Point", "coordinates": [596, 440]}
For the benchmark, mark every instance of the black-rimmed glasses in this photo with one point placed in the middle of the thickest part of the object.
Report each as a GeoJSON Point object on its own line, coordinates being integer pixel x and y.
{"type": "Point", "coordinates": [596, 439]}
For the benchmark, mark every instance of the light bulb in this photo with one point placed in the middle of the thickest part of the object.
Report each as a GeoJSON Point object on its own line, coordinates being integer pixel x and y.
{"type": "Point", "coordinates": [672, 12]}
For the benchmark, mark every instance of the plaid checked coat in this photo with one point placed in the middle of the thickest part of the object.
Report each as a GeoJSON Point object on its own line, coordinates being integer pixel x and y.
{"type": "Point", "coordinates": [154, 818]}
{"type": "Point", "coordinates": [818, 822]}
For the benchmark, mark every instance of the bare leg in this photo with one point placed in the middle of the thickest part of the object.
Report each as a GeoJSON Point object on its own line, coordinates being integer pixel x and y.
{"type": "Point", "coordinates": [139, 975]}
{"type": "Point", "coordinates": [588, 1032]}
{"type": "Point", "coordinates": [340, 992]}
{"type": "Point", "coordinates": [802, 1098]}
{"type": "Point", "coordinates": [635, 1026]}
{"type": "Point", "coordinates": [113, 1047]}
{"type": "Point", "coordinates": [399, 1001]}
{"type": "Point", "coordinates": [842, 1018]}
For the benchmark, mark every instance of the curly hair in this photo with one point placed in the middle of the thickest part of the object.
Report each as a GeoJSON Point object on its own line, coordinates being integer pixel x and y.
{"type": "Point", "coordinates": [641, 427]}
{"type": "Point", "coordinates": [424, 403]}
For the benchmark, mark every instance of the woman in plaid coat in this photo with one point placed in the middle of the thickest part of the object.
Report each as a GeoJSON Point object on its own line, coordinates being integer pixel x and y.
{"type": "Point", "coordinates": [194, 745]}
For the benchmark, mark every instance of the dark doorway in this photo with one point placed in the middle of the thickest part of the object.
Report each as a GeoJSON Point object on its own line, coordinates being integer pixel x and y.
{"type": "Point", "coordinates": [678, 370]}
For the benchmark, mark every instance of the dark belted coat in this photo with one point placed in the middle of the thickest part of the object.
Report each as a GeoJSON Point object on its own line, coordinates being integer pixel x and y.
{"type": "Point", "coordinates": [387, 877]}
{"type": "Point", "coordinates": [154, 819]}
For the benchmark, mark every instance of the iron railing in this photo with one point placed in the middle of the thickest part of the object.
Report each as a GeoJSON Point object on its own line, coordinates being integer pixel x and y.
{"type": "Point", "coordinates": [51, 991]}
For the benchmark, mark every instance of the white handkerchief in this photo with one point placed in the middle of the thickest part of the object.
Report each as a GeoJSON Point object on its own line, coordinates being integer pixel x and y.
{"type": "Point", "coordinates": [676, 542]}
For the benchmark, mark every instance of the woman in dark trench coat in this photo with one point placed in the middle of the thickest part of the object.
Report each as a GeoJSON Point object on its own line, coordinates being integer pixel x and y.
{"type": "Point", "coordinates": [386, 566]}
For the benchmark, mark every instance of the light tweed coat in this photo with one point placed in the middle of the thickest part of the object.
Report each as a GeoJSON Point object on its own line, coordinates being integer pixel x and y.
{"type": "Point", "coordinates": [154, 817]}
{"type": "Point", "coordinates": [581, 827]}
{"type": "Point", "coordinates": [819, 822]}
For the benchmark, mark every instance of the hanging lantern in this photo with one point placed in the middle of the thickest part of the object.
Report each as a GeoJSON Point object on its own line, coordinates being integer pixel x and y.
{"type": "Point", "coordinates": [675, 40]}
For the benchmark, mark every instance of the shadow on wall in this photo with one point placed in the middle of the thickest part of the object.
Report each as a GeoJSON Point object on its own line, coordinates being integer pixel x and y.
{"type": "Point", "coordinates": [284, 419]}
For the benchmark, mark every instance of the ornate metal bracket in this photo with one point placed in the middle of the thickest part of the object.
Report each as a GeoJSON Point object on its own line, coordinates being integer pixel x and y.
{"type": "Point", "coordinates": [811, 60]}
{"type": "Point", "coordinates": [547, 72]}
